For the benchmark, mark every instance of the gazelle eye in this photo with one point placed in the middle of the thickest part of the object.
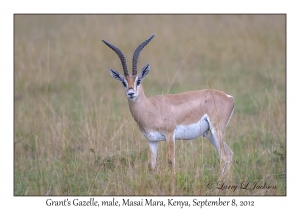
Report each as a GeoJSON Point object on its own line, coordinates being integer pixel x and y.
{"type": "Point", "coordinates": [124, 83]}
{"type": "Point", "coordinates": [138, 82]}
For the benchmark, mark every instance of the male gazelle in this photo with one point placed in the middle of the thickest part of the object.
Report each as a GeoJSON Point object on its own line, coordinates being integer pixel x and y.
{"type": "Point", "coordinates": [176, 116]}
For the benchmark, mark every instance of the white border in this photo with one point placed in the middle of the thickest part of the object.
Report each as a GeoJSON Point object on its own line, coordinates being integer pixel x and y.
{"type": "Point", "coordinates": [155, 6]}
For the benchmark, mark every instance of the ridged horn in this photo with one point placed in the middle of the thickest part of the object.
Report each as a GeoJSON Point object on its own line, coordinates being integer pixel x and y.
{"type": "Point", "coordinates": [121, 56]}
{"type": "Point", "coordinates": [137, 53]}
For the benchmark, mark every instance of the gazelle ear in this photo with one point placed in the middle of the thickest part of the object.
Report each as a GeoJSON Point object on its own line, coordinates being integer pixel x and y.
{"type": "Point", "coordinates": [118, 76]}
{"type": "Point", "coordinates": [144, 72]}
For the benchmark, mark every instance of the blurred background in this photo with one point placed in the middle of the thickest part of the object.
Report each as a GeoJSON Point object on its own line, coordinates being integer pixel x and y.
{"type": "Point", "coordinates": [73, 131]}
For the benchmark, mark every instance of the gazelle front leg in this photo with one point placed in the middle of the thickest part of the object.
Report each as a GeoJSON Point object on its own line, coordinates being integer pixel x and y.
{"type": "Point", "coordinates": [153, 154]}
{"type": "Point", "coordinates": [171, 150]}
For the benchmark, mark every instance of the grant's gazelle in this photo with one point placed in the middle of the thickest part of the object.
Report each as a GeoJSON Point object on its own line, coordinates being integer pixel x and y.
{"type": "Point", "coordinates": [173, 117]}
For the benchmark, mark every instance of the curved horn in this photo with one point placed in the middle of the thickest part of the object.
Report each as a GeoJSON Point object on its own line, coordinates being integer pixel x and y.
{"type": "Point", "coordinates": [137, 53]}
{"type": "Point", "coordinates": [121, 56]}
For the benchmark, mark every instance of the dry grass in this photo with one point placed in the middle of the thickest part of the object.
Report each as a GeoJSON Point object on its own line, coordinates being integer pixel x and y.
{"type": "Point", "coordinates": [74, 134]}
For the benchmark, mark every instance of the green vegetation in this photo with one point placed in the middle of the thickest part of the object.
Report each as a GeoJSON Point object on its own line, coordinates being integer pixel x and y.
{"type": "Point", "coordinates": [74, 134]}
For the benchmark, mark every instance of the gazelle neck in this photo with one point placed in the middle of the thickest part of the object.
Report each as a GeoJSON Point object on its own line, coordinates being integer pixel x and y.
{"type": "Point", "coordinates": [140, 106]}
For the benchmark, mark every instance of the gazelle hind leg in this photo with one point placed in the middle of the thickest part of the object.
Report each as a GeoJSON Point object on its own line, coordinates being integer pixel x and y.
{"type": "Point", "coordinates": [216, 138]}
{"type": "Point", "coordinates": [226, 156]}
{"type": "Point", "coordinates": [210, 134]}
{"type": "Point", "coordinates": [229, 158]}
{"type": "Point", "coordinates": [228, 152]}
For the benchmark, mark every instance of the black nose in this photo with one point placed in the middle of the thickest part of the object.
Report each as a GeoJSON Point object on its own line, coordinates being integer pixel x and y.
{"type": "Point", "coordinates": [130, 94]}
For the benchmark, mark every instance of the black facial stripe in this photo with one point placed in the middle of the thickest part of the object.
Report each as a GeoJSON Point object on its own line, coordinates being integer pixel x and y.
{"type": "Point", "coordinates": [138, 82]}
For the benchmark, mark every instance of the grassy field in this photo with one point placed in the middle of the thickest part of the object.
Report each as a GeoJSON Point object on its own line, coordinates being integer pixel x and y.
{"type": "Point", "coordinates": [73, 131]}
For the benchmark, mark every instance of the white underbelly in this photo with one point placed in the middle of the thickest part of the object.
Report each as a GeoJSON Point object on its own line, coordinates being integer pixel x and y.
{"type": "Point", "coordinates": [182, 132]}
{"type": "Point", "coordinates": [192, 131]}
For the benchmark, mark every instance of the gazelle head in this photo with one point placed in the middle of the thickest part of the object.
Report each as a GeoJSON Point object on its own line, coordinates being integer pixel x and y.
{"type": "Point", "coordinates": [132, 83]}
